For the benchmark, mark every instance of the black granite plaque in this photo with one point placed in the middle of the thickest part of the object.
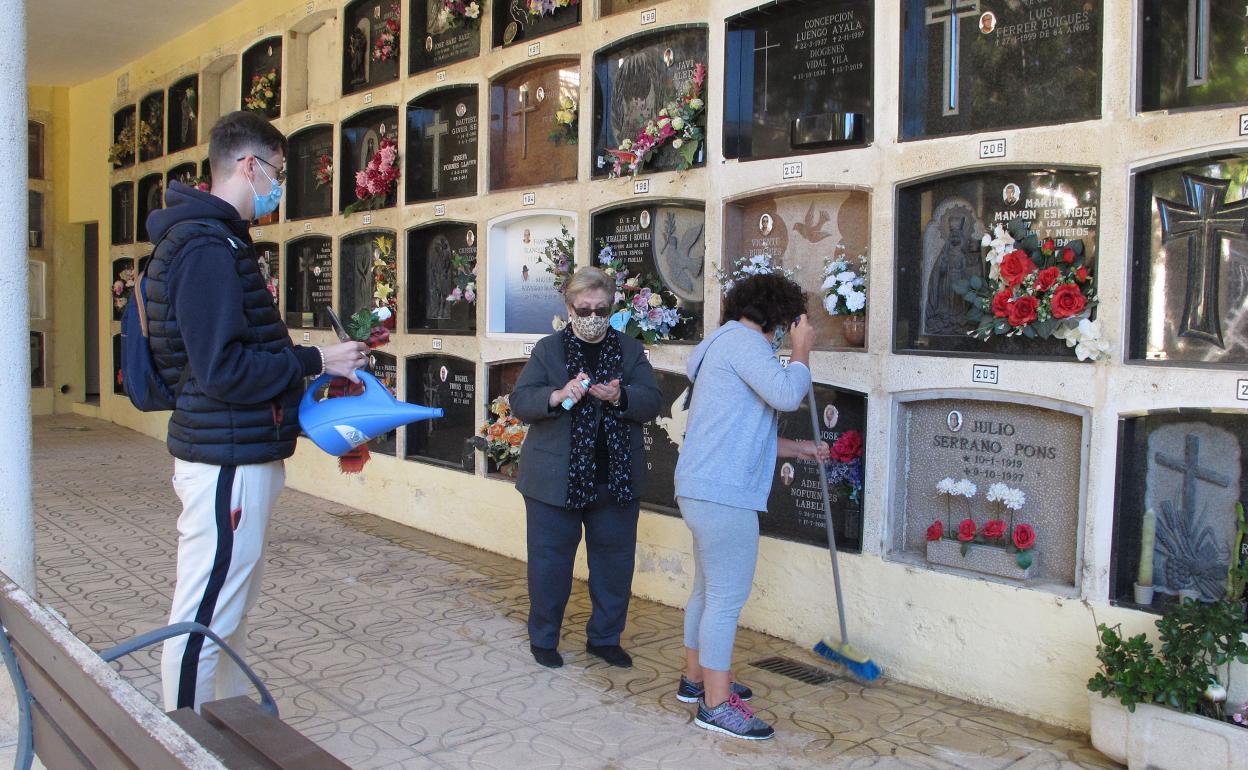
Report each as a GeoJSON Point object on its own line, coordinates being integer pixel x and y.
{"type": "Point", "coordinates": [513, 22]}
{"type": "Point", "coordinates": [1193, 53]}
{"type": "Point", "coordinates": [501, 376]}
{"type": "Point", "coordinates": [309, 282]}
{"type": "Point", "coordinates": [448, 383]}
{"type": "Point", "coordinates": [124, 127]}
{"type": "Point", "coordinates": [268, 259]}
{"type": "Point", "coordinates": [799, 78]}
{"type": "Point", "coordinates": [118, 386]}
{"type": "Point", "coordinates": [661, 244]}
{"type": "Point", "coordinates": [370, 44]}
{"type": "Point", "coordinates": [385, 368]}
{"type": "Point", "coordinates": [662, 439]}
{"type": "Point", "coordinates": [34, 150]}
{"type": "Point", "coordinates": [976, 65]}
{"type": "Point", "coordinates": [151, 198]}
{"type": "Point", "coordinates": [123, 285]}
{"type": "Point", "coordinates": [152, 133]}
{"type": "Point", "coordinates": [361, 138]}
{"type": "Point", "coordinates": [123, 213]}
{"type": "Point", "coordinates": [185, 173]}
{"type": "Point", "coordinates": [308, 194]}
{"type": "Point", "coordinates": [441, 153]}
{"type": "Point", "coordinates": [437, 42]}
{"type": "Point", "coordinates": [435, 256]}
{"type": "Point", "coordinates": [36, 360]}
{"type": "Point", "coordinates": [636, 78]}
{"type": "Point", "coordinates": [1189, 262]}
{"type": "Point", "coordinates": [357, 281]}
{"type": "Point", "coordinates": [184, 114]}
{"type": "Point", "coordinates": [940, 224]}
{"type": "Point", "coordinates": [262, 71]}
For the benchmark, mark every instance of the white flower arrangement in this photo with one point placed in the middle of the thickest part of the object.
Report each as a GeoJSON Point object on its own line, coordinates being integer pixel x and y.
{"type": "Point", "coordinates": [758, 264]}
{"type": "Point", "coordinates": [1087, 340]}
{"type": "Point", "coordinates": [1011, 498]}
{"type": "Point", "coordinates": [844, 289]}
{"type": "Point", "coordinates": [999, 243]}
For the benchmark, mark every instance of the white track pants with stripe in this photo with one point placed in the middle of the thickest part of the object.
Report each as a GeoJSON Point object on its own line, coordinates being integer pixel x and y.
{"type": "Point", "coordinates": [221, 538]}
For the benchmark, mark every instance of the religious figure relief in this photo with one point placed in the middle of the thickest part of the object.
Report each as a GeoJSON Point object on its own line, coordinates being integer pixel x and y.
{"type": "Point", "coordinates": [307, 281]}
{"type": "Point", "coordinates": [951, 253]}
{"type": "Point", "coordinates": [357, 283]}
{"type": "Point", "coordinates": [634, 96]}
{"type": "Point", "coordinates": [679, 256]}
{"type": "Point", "coordinates": [439, 278]}
{"type": "Point", "coordinates": [357, 51]}
{"type": "Point", "coordinates": [186, 114]}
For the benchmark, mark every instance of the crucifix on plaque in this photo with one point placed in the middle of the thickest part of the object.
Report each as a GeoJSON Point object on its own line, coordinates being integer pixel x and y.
{"type": "Point", "coordinates": [1192, 472]}
{"type": "Point", "coordinates": [766, 49]}
{"type": "Point", "coordinates": [1198, 32]}
{"type": "Point", "coordinates": [523, 113]}
{"type": "Point", "coordinates": [950, 13]}
{"type": "Point", "coordinates": [435, 131]}
{"type": "Point", "coordinates": [1203, 224]}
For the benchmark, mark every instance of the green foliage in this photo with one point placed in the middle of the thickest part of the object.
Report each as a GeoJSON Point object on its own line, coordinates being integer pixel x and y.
{"type": "Point", "coordinates": [360, 325]}
{"type": "Point", "coordinates": [1129, 671]}
{"type": "Point", "coordinates": [1237, 575]}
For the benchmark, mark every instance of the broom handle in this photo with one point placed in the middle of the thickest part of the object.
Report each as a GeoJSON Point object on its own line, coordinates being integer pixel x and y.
{"type": "Point", "coordinates": [827, 512]}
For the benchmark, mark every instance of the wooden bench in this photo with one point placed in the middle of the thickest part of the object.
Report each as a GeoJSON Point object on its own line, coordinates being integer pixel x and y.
{"type": "Point", "coordinates": [76, 712]}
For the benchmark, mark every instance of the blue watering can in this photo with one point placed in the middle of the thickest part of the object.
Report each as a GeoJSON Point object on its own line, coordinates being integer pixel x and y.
{"type": "Point", "coordinates": [338, 425]}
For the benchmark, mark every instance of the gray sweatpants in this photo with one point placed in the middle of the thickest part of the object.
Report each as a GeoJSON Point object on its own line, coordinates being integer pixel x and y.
{"type": "Point", "coordinates": [725, 551]}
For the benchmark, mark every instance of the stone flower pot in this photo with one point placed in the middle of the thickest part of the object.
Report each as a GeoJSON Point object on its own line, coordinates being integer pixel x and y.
{"type": "Point", "coordinates": [1162, 738]}
{"type": "Point", "coordinates": [989, 559]}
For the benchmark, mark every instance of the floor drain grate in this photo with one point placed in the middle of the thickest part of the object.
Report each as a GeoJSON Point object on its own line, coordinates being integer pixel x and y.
{"type": "Point", "coordinates": [802, 672]}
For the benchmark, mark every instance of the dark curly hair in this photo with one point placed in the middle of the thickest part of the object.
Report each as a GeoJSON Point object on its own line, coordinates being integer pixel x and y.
{"type": "Point", "coordinates": [769, 300]}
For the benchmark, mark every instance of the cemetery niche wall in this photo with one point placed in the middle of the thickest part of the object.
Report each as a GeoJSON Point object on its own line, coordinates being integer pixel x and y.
{"type": "Point", "coordinates": [798, 78]}
{"type": "Point", "coordinates": [1191, 54]}
{"type": "Point", "coordinates": [523, 251]}
{"type": "Point", "coordinates": [441, 157]}
{"type": "Point", "coordinates": [309, 281]}
{"type": "Point", "coordinates": [122, 213]}
{"type": "Point", "coordinates": [441, 39]}
{"type": "Point", "coordinates": [370, 44]}
{"type": "Point", "coordinates": [441, 278]}
{"type": "Point", "coordinates": [310, 191]}
{"type": "Point", "coordinates": [151, 198]}
{"type": "Point", "coordinates": [364, 137]}
{"type": "Point", "coordinates": [183, 129]}
{"type": "Point", "coordinates": [526, 145]}
{"type": "Point", "coordinates": [448, 383]}
{"type": "Point", "coordinates": [262, 78]}
{"type": "Point", "coordinates": [516, 20]}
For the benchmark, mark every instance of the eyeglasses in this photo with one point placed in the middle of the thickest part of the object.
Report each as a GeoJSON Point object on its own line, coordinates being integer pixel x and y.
{"type": "Point", "coordinates": [586, 312]}
{"type": "Point", "coordinates": [281, 172]}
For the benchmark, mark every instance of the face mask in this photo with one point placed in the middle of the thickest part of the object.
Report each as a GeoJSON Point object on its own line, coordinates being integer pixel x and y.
{"type": "Point", "coordinates": [777, 340]}
{"type": "Point", "coordinates": [266, 204]}
{"type": "Point", "coordinates": [591, 329]}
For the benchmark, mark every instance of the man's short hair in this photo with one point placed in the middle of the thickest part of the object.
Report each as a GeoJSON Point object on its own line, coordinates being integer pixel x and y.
{"type": "Point", "coordinates": [239, 134]}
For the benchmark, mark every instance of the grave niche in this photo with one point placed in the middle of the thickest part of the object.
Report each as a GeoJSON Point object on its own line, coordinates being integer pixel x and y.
{"type": "Point", "coordinates": [309, 281]}
{"type": "Point", "coordinates": [663, 243]}
{"type": "Point", "coordinates": [36, 360]}
{"type": "Point", "coordinates": [385, 368]}
{"type": "Point", "coordinates": [357, 279]}
{"type": "Point", "coordinates": [523, 150]}
{"type": "Point", "coordinates": [123, 213]}
{"type": "Point", "coordinates": [437, 44]}
{"type": "Point", "coordinates": [122, 287]}
{"type": "Point", "coordinates": [183, 114]}
{"type": "Point", "coordinates": [501, 377]}
{"type": "Point", "coordinates": [513, 22]}
{"type": "Point", "coordinates": [978, 65]}
{"type": "Point", "coordinates": [34, 219]}
{"type": "Point", "coordinates": [152, 133]}
{"type": "Point", "coordinates": [119, 387]}
{"type": "Point", "coordinates": [431, 277]}
{"type": "Point", "coordinates": [151, 198]}
{"type": "Point", "coordinates": [262, 67]}
{"type": "Point", "coordinates": [370, 44]}
{"type": "Point", "coordinates": [1191, 54]}
{"type": "Point", "coordinates": [441, 155]}
{"type": "Point", "coordinates": [798, 230]}
{"type": "Point", "coordinates": [125, 127]}
{"type": "Point", "coordinates": [183, 172]}
{"type": "Point", "coordinates": [1189, 262]}
{"type": "Point", "coordinates": [448, 383]}
{"type": "Point", "coordinates": [940, 223]}
{"type": "Point", "coordinates": [268, 258]}
{"type": "Point", "coordinates": [799, 78]}
{"type": "Point", "coordinates": [522, 295]}
{"type": "Point", "coordinates": [34, 150]}
{"type": "Point", "coordinates": [1188, 467]}
{"type": "Point", "coordinates": [308, 195]}
{"type": "Point", "coordinates": [1034, 449]}
{"type": "Point", "coordinates": [361, 138]}
{"type": "Point", "coordinates": [636, 78]}
{"type": "Point", "coordinates": [312, 71]}
{"type": "Point", "coordinates": [222, 90]}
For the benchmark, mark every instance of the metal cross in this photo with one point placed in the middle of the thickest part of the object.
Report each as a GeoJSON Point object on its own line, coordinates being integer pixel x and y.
{"type": "Point", "coordinates": [1198, 34]}
{"type": "Point", "coordinates": [435, 131]}
{"type": "Point", "coordinates": [1203, 224]}
{"type": "Point", "coordinates": [523, 113]}
{"type": "Point", "coordinates": [950, 13]}
{"type": "Point", "coordinates": [766, 49]}
{"type": "Point", "coordinates": [1192, 473]}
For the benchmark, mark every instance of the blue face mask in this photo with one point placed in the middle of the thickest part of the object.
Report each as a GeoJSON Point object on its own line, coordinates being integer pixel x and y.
{"type": "Point", "coordinates": [778, 340]}
{"type": "Point", "coordinates": [266, 204]}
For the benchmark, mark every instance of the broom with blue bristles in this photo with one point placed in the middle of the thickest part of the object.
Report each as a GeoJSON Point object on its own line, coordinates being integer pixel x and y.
{"type": "Point", "coordinates": [859, 665]}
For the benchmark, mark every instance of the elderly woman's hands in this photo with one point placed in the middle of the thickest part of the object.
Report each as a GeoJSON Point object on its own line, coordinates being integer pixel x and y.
{"type": "Point", "coordinates": [573, 390]}
{"type": "Point", "coordinates": [606, 391]}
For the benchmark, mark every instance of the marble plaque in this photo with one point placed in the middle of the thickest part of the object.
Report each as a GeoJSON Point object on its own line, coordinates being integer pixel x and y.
{"type": "Point", "coordinates": [306, 197]}
{"type": "Point", "coordinates": [441, 152]}
{"type": "Point", "coordinates": [370, 44]}
{"type": "Point", "coordinates": [634, 80]}
{"type": "Point", "coordinates": [309, 282]}
{"type": "Point", "coordinates": [513, 23]}
{"type": "Point", "coordinates": [151, 198]}
{"type": "Point", "coordinates": [123, 213]}
{"type": "Point", "coordinates": [522, 294]}
{"type": "Point", "coordinates": [1036, 450]}
{"type": "Point", "coordinates": [977, 65]}
{"type": "Point", "coordinates": [663, 244]}
{"type": "Point", "coordinates": [262, 59]}
{"type": "Point", "coordinates": [1189, 262]}
{"type": "Point", "coordinates": [118, 385]}
{"type": "Point", "coordinates": [184, 114]}
{"type": "Point", "coordinates": [124, 276]}
{"type": "Point", "coordinates": [36, 360]}
{"type": "Point", "coordinates": [361, 138]}
{"type": "Point", "coordinates": [385, 368]}
{"type": "Point", "coordinates": [437, 43]}
{"type": "Point", "coordinates": [431, 277]}
{"type": "Point", "coordinates": [34, 150]}
{"type": "Point", "coordinates": [448, 383]}
{"type": "Point", "coordinates": [1192, 54]}
{"type": "Point", "coordinates": [522, 118]}
{"type": "Point", "coordinates": [268, 258]}
{"type": "Point", "coordinates": [939, 225]}
{"type": "Point", "coordinates": [356, 281]}
{"type": "Point", "coordinates": [124, 121]}
{"type": "Point", "coordinates": [799, 230]}
{"type": "Point", "coordinates": [152, 114]}
{"type": "Point", "coordinates": [799, 78]}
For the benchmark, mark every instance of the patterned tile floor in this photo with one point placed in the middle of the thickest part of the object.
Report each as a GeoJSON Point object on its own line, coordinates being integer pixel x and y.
{"type": "Point", "coordinates": [394, 648]}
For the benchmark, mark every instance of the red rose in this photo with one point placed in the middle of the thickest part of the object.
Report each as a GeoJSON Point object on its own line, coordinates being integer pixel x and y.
{"type": "Point", "coordinates": [966, 530]}
{"type": "Point", "coordinates": [848, 447]}
{"type": "Point", "coordinates": [936, 531]}
{"type": "Point", "coordinates": [379, 336]}
{"type": "Point", "coordinates": [1081, 274]}
{"type": "Point", "coordinates": [994, 529]}
{"type": "Point", "coordinates": [1016, 266]}
{"type": "Point", "coordinates": [1046, 278]}
{"type": "Point", "coordinates": [1023, 310]}
{"type": "Point", "coordinates": [1048, 246]}
{"type": "Point", "coordinates": [1001, 303]}
{"type": "Point", "coordinates": [1024, 537]}
{"type": "Point", "coordinates": [1068, 255]}
{"type": "Point", "coordinates": [1068, 300]}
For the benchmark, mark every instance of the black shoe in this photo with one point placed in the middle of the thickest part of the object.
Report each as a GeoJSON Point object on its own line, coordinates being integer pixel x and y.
{"type": "Point", "coordinates": [611, 653]}
{"type": "Point", "coordinates": [546, 656]}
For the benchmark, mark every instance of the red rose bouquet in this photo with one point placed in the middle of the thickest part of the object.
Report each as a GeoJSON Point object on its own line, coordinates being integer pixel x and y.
{"type": "Point", "coordinates": [378, 179]}
{"type": "Point", "coordinates": [324, 171]}
{"type": "Point", "coordinates": [844, 467]}
{"type": "Point", "coordinates": [386, 46]}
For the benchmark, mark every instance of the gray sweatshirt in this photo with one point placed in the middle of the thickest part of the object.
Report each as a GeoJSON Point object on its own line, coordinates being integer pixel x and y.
{"type": "Point", "coordinates": [729, 453]}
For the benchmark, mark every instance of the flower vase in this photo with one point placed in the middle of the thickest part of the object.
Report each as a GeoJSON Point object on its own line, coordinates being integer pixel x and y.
{"type": "Point", "coordinates": [1143, 594]}
{"type": "Point", "coordinates": [988, 559]}
{"type": "Point", "coordinates": [854, 329]}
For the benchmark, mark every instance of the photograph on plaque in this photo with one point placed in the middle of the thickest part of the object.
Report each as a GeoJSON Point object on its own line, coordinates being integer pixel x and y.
{"type": "Point", "coordinates": [441, 36]}
{"type": "Point", "coordinates": [123, 213]}
{"type": "Point", "coordinates": [441, 155]}
{"type": "Point", "coordinates": [37, 358]}
{"type": "Point", "coordinates": [34, 149]}
{"type": "Point", "coordinates": [941, 224]}
{"type": "Point", "coordinates": [525, 145]}
{"type": "Point", "coordinates": [34, 219]}
{"type": "Point", "coordinates": [118, 385]}
{"type": "Point", "coordinates": [501, 377]}
{"type": "Point", "coordinates": [663, 246]}
{"type": "Point", "coordinates": [799, 78]}
{"type": "Point", "coordinates": [362, 136]}
{"type": "Point", "coordinates": [1192, 54]}
{"type": "Point", "coordinates": [268, 259]}
{"type": "Point", "coordinates": [1189, 262]}
{"type": "Point", "coordinates": [522, 295]}
{"type": "Point", "coordinates": [367, 265]}
{"type": "Point", "coordinates": [441, 278]}
{"type": "Point", "coordinates": [184, 114]}
{"type": "Point", "coordinates": [636, 78]}
{"type": "Point", "coordinates": [385, 368]}
{"type": "Point", "coordinates": [978, 65]}
{"type": "Point", "coordinates": [309, 281]}
{"type": "Point", "coordinates": [125, 137]}
{"type": "Point", "coordinates": [310, 173]}
{"type": "Point", "coordinates": [450, 384]}
{"type": "Point", "coordinates": [123, 285]}
{"type": "Point", "coordinates": [262, 78]}
{"type": "Point", "coordinates": [517, 20]}
{"type": "Point", "coordinates": [152, 126]}
{"type": "Point", "coordinates": [370, 44]}
{"type": "Point", "coordinates": [1181, 474]}
{"type": "Point", "coordinates": [151, 198]}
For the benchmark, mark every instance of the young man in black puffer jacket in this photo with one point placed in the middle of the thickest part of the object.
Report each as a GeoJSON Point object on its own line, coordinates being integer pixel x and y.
{"type": "Point", "coordinates": [236, 417]}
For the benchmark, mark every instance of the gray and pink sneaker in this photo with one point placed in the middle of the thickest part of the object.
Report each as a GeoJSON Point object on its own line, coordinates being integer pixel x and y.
{"type": "Point", "coordinates": [733, 717]}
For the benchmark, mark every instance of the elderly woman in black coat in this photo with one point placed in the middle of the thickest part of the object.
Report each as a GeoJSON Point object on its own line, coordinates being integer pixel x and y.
{"type": "Point", "coordinates": [583, 464]}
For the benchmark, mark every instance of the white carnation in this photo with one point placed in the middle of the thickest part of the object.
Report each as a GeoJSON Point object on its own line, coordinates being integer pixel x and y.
{"type": "Point", "coordinates": [829, 304]}
{"type": "Point", "coordinates": [945, 486]}
{"type": "Point", "coordinates": [855, 301]}
{"type": "Point", "coordinates": [846, 276]}
{"type": "Point", "coordinates": [844, 289]}
{"type": "Point", "coordinates": [997, 491]}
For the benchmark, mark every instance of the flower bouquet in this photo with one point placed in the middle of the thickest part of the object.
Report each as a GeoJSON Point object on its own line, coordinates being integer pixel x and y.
{"type": "Point", "coordinates": [500, 439]}
{"type": "Point", "coordinates": [844, 288]}
{"type": "Point", "coordinates": [372, 327]}
{"type": "Point", "coordinates": [460, 13]}
{"type": "Point", "coordinates": [997, 538]}
{"type": "Point", "coordinates": [565, 122]}
{"type": "Point", "coordinates": [682, 123]}
{"type": "Point", "coordinates": [201, 183]}
{"type": "Point", "coordinates": [548, 7]}
{"type": "Point", "coordinates": [324, 171]}
{"type": "Point", "coordinates": [559, 257]}
{"type": "Point", "coordinates": [757, 264]}
{"type": "Point", "coordinates": [465, 279]}
{"type": "Point", "coordinates": [123, 287]}
{"type": "Point", "coordinates": [377, 180]}
{"type": "Point", "coordinates": [150, 136]}
{"type": "Point", "coordinates": [844, 467]}
{"type": "Point", "coordinates": [642, 308]}
{"type": "Point", "coordinates": [386, 46]}
{"type": "Point", "coordinates": [121, 151]}
{"type": "Point", "coordinates": [264, 89]}
{"type": "Point", "coordinates": [385, 266]}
